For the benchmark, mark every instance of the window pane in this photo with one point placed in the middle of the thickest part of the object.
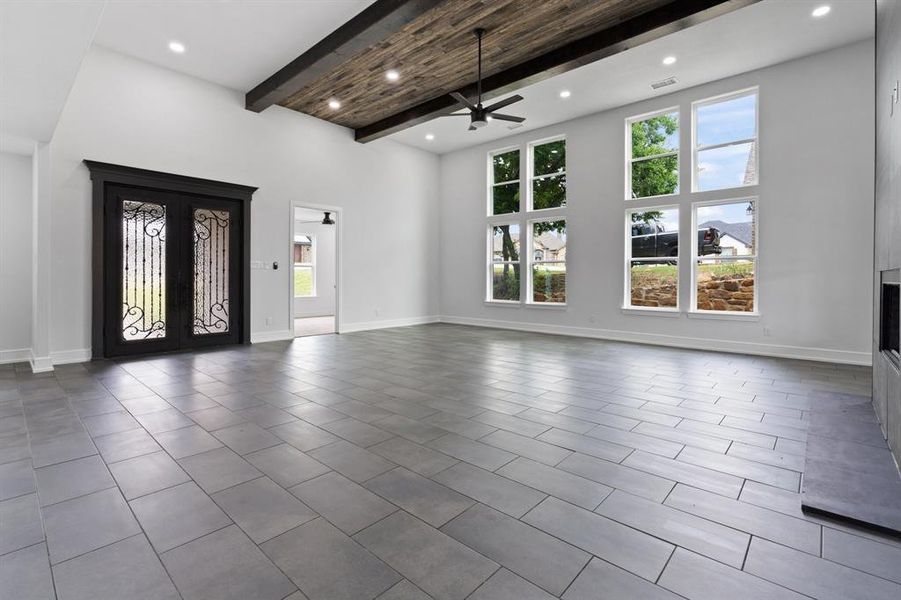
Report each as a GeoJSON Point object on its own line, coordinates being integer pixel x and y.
{"type": "Point", "coordinates": [505, 198]}
{"type": "Point", "coordinates": [143, 270]}
{"type": "Point", "coordinates": [655, 176]}
{"type": "Point", "coordinates": [506, 166]}
{"type": "Point", "coordinates": [505, 242]}
{"type": "Point", "coordinates": [549, 282]}
{"type": "Point", "coordinates": [727, 229]}
{"type": "Point", "coordinates": [727, 121]}
{"type": "Point", "coordinates": [303, 281]}
{"type": "Point", "coordinates": [654, 283]}
{"type": "Point", "coordinates": [549, 192]}
{"type": "Point", "coordinates": [505, 282]}
{"type": "Point", "coordinates": [549, 158]}
{"type": "Point", "coordinates": [728, 166]}
{"type": "Point", "coordinates": [211, 260]}
{"type": "Point", "coordinates": [655, 233]}
{"type": "Point", "coordinates": [726, 285]}
{"type": "Point", "coordinates": [550, 236]}
{"type": "Point", "coordinates": [657, 135]}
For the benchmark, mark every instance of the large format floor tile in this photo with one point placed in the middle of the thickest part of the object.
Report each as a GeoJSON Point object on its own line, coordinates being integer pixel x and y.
{"type": "Point", "coordinates": [428, 462]}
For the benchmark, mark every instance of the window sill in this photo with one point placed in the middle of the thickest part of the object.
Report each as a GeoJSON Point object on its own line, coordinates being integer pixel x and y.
{"type": "Point", "coordinates": [723, 315]}
{"type": "Point", "coordinates": [650, 311]}
{"type": "Point", "coordinates": [503, 303]}
{"type": "Point", "coordinates": [547, 305]}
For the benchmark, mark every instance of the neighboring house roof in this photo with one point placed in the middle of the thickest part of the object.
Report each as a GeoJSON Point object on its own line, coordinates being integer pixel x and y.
{"type": "Point", "coordinates": [739, 231]}
{"type": "Point", "coordinates": [550, 242]}
{"type": "Point", "coordinates": [750, 177]}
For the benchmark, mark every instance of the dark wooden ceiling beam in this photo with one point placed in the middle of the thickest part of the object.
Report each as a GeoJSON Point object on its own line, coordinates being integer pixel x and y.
{"type": "Point", "coordinates": [371, 26]}
{"type": "Point", "coordinates": [652, 25]}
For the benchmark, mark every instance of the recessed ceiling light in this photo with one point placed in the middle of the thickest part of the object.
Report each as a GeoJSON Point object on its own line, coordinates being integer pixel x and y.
{"type": "Point", "coordinates": [565, 94]}
{"type": "Point", "coordinates": [177, 47]}
{"type": "Point", "coordinates": [430, 136]}
{"type": "Point", "coordinates": [821, 11]}
{"type": "Point", "coordinates": [669, 60]}
{"type": "Point", "coordinates": [334, 104]}
{"type": "Point", "coordinates": [392, 75]}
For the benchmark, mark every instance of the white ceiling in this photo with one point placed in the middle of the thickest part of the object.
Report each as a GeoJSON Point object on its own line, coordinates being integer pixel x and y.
{"type": "Point", "coordinates": [757, 36]}
{"type": "Point", "coordinates": [238, 43]}
{"type": "Point", "coordinates": [41, 48]}
{"type": "Point", "coordinates": [235, 43]}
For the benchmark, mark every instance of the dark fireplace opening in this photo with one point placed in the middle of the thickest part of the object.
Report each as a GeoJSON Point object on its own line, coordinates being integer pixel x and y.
{"type": "Point", "coordinates": [890, 321]}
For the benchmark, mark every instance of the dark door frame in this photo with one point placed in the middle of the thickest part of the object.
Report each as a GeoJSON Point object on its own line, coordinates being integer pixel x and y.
{"type": "Point", "coordinates": [105, 174]}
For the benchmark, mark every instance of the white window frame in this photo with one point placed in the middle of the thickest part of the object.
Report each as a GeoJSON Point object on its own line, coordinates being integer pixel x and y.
{"type": "Point", "coordinates": [531, 177]}
{"type": "Point", "coordinates": [631, 161]}
{"type": "Point", "coordinates": [489, 283]}
{"type": "Point", "coordinates": [492, 184]}
{"type": "Point", "coordinates": [696, 149]}
{"type": "Point", "coordinates": [627, 278]}
{"type": "Point", "coordinates": [311, 264]}
{"type": "Point", "coordinates": [725, 314]}
{"type": "Point", "coordinates": [530, 262]}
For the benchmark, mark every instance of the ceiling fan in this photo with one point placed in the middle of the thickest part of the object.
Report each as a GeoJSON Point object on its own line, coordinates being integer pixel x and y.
{"type": "Point", "coordinates": [480, 115]}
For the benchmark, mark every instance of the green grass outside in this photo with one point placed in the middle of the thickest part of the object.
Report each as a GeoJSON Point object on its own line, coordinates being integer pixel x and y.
{"type": "Point", "coordinates": [303, 281]}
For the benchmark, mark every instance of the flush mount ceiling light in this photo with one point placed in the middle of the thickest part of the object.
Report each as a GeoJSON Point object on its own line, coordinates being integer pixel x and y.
{"type": "Point", "coordinates": [565, 94]}
{"type": "Point", "coordinates": [392, 75]}
{"type": "Point", "coordinates": [177, 47]}
{"type": "Point", "coordinates": [669, 60]}
{"type": "Point", "coordinates": [430, 136]}
{"type": "Point", "coordinates": [334, 104]}
{"type": "Point", "coordinates": [821, 11]}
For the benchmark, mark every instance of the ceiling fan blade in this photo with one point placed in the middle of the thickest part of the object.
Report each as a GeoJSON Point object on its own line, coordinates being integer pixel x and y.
{"type": "Point", "coordinates": [463, 100]}
{"type": "Point", "coordinates": [500, 117]}
{"type": "Point", "coordinates": [503, 103]}
{"type": "Point", "coordinates": [455, 115]}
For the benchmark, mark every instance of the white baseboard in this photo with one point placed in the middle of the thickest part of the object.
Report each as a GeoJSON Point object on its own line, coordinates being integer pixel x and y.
{"type": "Point", "coordinates": [775, 350]}
{"type": "Point", "coordinates": [15, 356]}
{"type": "Point", "coordinates": [271, 336]}
{"type": "Point", "coordinates": [387, 324]}
{"type": "Point", "coordinates": [67, 357]}
{"type": "Point", "coordinates": [40, 364]}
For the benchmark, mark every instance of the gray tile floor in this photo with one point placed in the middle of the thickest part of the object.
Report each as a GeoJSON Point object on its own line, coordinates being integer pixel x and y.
{"type": "Point", "coordinates": [426, 462]}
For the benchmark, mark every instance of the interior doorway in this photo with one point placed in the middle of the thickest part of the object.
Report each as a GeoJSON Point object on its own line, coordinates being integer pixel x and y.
{"type": "Point", "coordinates": [314, 273]}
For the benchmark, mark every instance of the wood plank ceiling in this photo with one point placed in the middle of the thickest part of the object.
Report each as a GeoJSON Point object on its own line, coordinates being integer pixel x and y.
{"type": "Point", "coordinates": [434, 51]}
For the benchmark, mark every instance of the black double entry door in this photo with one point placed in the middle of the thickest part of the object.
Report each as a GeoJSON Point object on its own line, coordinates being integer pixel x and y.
{"type": "Point", "coordinates": [172, 270]}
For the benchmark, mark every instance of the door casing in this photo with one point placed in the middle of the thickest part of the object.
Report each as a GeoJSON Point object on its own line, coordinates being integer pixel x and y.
{"type": "Point", "coordinates": [105, 176]}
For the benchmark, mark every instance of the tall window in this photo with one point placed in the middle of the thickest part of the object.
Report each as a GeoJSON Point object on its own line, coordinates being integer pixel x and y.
{"type": "Point", "coordinates": [547, 175]}
{"type": "Point", "coordinates": [726, 256]}
{"type": "Point", "coordinates": [504, 270]}
{"type": "Point", "coordinates": [547, 262]}
{"type": "Point", "coordinates": [725, 142]}
{"type": "Point", "coordinates": [304, 266]}
{"type": "Point", "coordinates": [652, 257]}
{"type": "Point", "coordinates": [653, 158]}
{"type": "Point", "coordinates": [504, 182]}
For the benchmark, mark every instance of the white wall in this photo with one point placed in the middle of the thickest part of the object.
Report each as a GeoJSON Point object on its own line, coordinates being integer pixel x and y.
{"type": "Point", "coordinates": [815, 211]}
{"type": "Point", "coordinates": [132, 113]}
{"type": "Point", "coordinates": [15, 257]}
{"type": "Point", "coordinates": [323, 303]}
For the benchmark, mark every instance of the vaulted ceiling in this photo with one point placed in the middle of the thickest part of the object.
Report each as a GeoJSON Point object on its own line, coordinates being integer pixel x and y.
{"type": "Point", "coordinates": [431, 45]}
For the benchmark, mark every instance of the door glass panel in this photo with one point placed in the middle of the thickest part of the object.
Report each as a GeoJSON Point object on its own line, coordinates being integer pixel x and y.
{"type": "Point", "coordinates": [211, 256]}
{"type": "Point", "coordinates": [143, 270]}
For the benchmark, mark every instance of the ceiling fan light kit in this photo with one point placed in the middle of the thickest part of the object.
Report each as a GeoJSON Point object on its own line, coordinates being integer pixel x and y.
{"type": "Point", "coordinates": [479, 115]}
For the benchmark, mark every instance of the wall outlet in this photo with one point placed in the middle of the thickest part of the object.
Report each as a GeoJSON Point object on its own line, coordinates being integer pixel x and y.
{"type": "Point", "coordinates": [767, 332]}
{"type": "Point", "coordinates": [268, 321]}
{"type": "Point", "coordinates": [376, 311]}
